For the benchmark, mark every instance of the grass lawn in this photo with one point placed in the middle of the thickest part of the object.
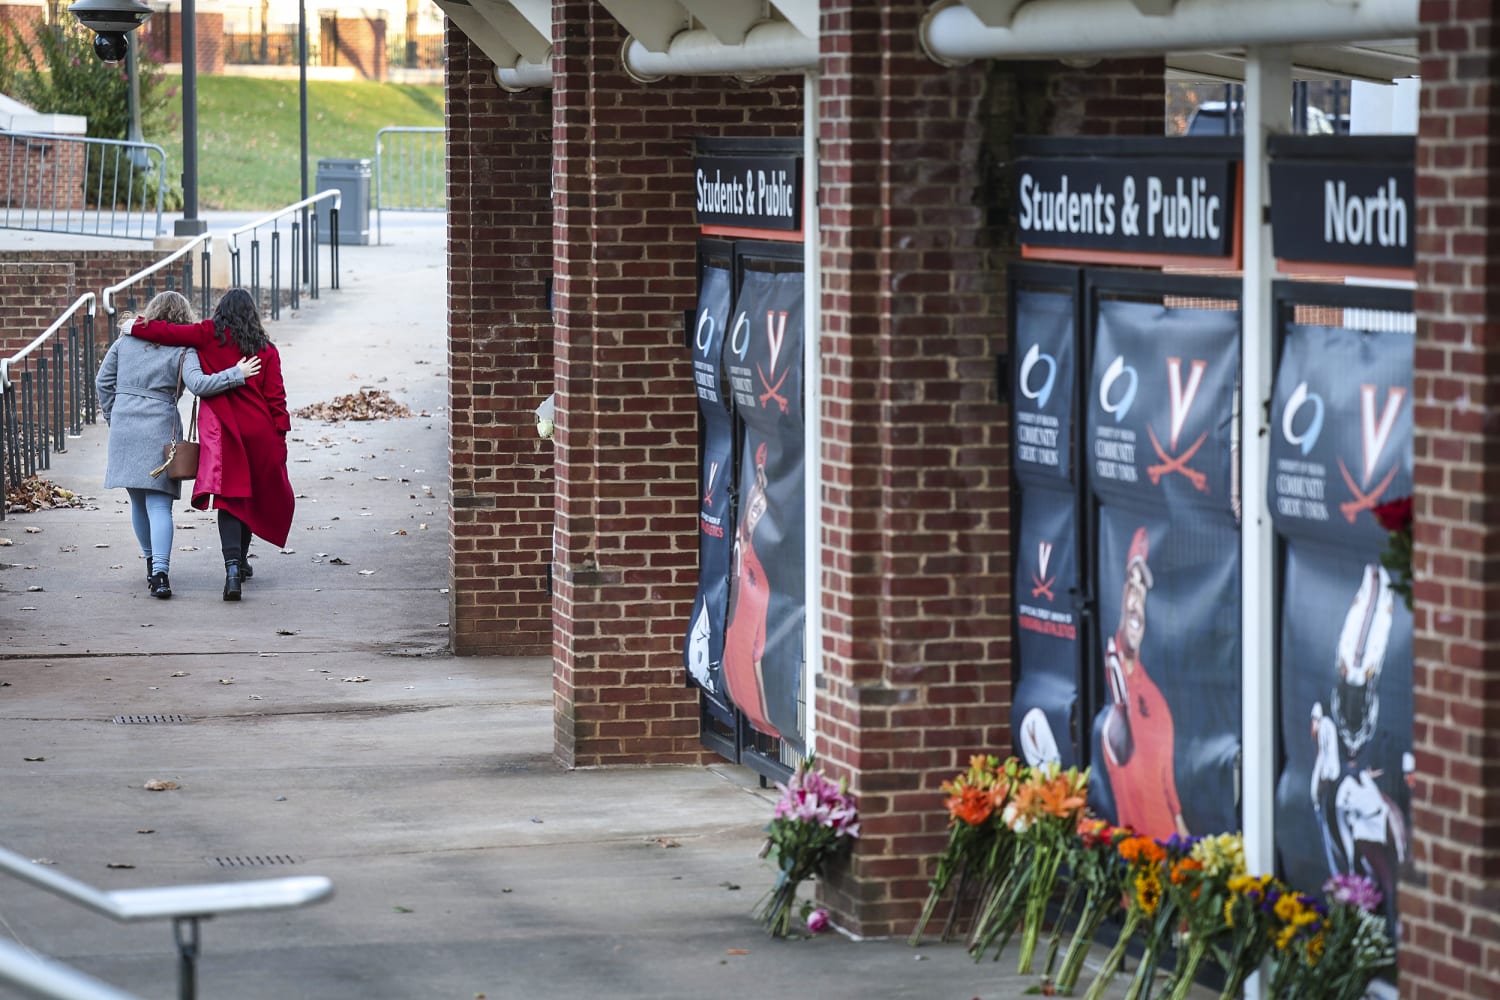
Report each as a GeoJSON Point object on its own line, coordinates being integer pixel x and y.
{"type": "Point", "coordinates": [248, 133]}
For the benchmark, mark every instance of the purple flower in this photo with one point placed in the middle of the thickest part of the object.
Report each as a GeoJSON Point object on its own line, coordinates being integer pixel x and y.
{"type": "Point", "coordinates": [817, 921]}
{"type": "Point", "coordinates": [1353, 890]}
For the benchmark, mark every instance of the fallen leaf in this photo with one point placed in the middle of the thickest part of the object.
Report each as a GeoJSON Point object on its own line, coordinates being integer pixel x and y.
{"type": "Point", "coordinates": [118, 864]}
{"type": "Point", "coordinates": [146, 830]}
{"type": "Point", "coordinates": [180, 673]}
{"type": "Point", "coordinates": [398, 531]}
{"type": "Point", "coordinates": [34, 759]}
{"type": "Point", "coordinates": [737, 951]}
{"type": "Point", "coordinates": [355, 680]}
{"type": "Point", "coordinates": [187, 548]}
{"type": "Point", "coordinates": [32, 529]}
{"type": "Point", "coordinates": [158, 785]}
{"type": "Point", "coordinates": [667, 842]}
{"type": "Point", "coordinates": [403, 909]}
{"type": "Point", "coordinates": [226, 680]}
{"type": "Point", "coordinates": [269, 654]}
{"type": "Point", "coordinates": [67, 548]}
{"type": "Point", "coordinates": [43, 861]}
{"type": "Point", "coordinates": [286, 631]}
{"type": "Point", "coordinates": [6, 541]}
{"type": "Point", "coordinates": [367, 572]}
{"type": "Point", "coordinates": [97, 545]}
{"type": "Point", "coordinates": [37, 590]}
{"type": "Point", "coordinates": [337, 561]}
{"type": "Point", "coordinates": [731, 886]}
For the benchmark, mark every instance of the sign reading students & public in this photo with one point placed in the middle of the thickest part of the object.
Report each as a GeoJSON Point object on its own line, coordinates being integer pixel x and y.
{"type": "Point", "coordinates": [749, 192]}
{"type": "Point", "coordinates": [1128, 204]}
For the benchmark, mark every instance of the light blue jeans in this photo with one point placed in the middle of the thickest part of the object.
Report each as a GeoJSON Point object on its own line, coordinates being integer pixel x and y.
{"type": "Point", "coordinates": [151, 516]}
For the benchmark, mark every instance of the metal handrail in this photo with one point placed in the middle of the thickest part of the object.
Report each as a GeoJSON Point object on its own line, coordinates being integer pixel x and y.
{"type": "Point", "coordinates": [421, 186]}
{"type": "Point", "coordinates": [184, 905]}
{"type": "Point", "coordinates": [131, 151]}
{"type": "Point", "coordinates": [42, 338]}
{"type": "Point", "coordinates": [299, 249]}
{"type": "Point", "coordinates": [109, 293]}
{"type": "Point", "coordinates": [51, 980]}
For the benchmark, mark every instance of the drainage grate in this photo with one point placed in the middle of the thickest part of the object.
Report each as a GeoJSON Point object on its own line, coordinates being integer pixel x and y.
{"type": "Point", "coordinates": [254, 860]}
{"type": "Point", "coordinates": [148, 720]}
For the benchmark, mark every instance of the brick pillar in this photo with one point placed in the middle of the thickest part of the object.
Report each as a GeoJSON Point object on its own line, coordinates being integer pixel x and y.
{"type": "Point", "coordinates": [166, 40]}
{"type": "Point", "coordinates": [499, 358]}
{"type": "Point", "coordinates": [360, 44]}
{"type": "Point", "coordinates": [916, 536]}
{"type": "Point", "coordinates": [626, 542]}
{"type": "Point", "coordinates": [1450, 931]}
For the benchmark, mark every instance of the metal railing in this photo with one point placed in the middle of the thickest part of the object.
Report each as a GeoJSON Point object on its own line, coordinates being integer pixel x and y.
{"type": "Point", "coordinates": [300, 252]}
{"type": "Point", "coordinates": [144, 281]}
{"type": "Point", "coordinates": [73, 184]}
{"type": "Point", "coordinates": [187, 906]}
{"type": "Point", "coordinates": [50, 980]}
{"type": "Point", "coordinates": [46, 393]}
{"type": "Point", "coordinates": [411, 172]}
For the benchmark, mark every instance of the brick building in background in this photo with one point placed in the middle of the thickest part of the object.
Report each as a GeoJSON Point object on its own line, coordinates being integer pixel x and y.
{"type": "Point", "coordinates": [24, 16]}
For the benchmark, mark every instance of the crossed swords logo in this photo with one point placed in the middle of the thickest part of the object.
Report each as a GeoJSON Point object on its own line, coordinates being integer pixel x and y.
{"type": "Point", "coordinates": [1041, 587]}
{"type": "Point", "coordinates": [775, 335]}
{"type": "Point", "coordinates": [1182, 401]}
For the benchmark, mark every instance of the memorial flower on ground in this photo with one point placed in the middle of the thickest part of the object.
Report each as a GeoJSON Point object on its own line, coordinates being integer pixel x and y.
{"type": "Point", "coordinates": [1097, 867]}
{"type": "Point", "coordinates": [815, 822]}
{"type": "Point", "coordinates": [1198, 884]}
{"type": "Point", "coordinates": [1142, 858]}
{"type": "Point", "coordinates": [1250, 922]}
{"type": "Point", "coordinates": [1053, 805]}
{"type": "Point", "coordinates": [971, 800]}
{"type": "Point", "coordinates": [1334, 947]}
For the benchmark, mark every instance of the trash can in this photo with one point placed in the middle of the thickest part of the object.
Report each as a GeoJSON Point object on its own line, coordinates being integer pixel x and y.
{"type": "Point", "coordinates": [351, 179]}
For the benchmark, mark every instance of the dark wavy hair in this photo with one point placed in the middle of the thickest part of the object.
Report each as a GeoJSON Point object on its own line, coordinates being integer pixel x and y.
{"type": "Point", "coordinates": [237, 316]}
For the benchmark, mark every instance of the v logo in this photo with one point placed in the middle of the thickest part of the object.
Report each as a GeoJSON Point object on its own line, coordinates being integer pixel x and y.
{"type": "Point", "coordinates": [1182, 399]}
{"type": "Point", "coordinates": [1376, 433]}
{"type": "Point", "coordinates": [775, 333]}
{"type": "Point", "coordinates": [1044, 555]}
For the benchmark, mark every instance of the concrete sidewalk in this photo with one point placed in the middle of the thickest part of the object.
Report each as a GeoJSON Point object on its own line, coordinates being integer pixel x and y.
{"type": "Point", "coordinates": [325, 729]}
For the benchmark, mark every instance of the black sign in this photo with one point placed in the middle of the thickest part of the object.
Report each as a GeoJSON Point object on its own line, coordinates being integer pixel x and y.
{"type": "Point", "coordinates": [749, 192]}
{"type": "Point", "coordinates": [1044, 375]}
{"type": "Point", "coordinates": [1130, 204]}
{"type": "Point", "coordinates": [1161, 404]}
{"type": "Point", "coordinates": [1341, 432]}
{"type": "Point", "coordinates": [1344, 213]}
{"type": "Point", "coordinates": [1168, 736]}
{"type": "Point", "coordinates": [763, 652]}
{"type": "Point", "coordinates": [1342, 801]}
{"type": "Point", "coordinates": [1045, 703]}
{"type": "Point", "coordinates": [703, 653]}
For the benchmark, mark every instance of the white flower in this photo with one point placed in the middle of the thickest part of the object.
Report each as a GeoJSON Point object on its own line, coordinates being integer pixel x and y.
{"type": "Point", "coordinates": [544, 429]}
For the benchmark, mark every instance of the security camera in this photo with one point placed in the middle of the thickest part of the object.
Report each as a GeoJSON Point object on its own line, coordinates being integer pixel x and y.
{"type": "Point", "coordinates": [110, 21]}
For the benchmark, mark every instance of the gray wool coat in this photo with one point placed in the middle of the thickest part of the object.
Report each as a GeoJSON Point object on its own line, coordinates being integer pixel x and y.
{"type": "Point", "coordinates": [137, 386]}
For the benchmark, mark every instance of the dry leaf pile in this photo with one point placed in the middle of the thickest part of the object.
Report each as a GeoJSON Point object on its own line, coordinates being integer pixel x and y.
{"type": "Point", "coordinates": [366, 404]}
{"type": "Point", "coordinates": [36, 493]}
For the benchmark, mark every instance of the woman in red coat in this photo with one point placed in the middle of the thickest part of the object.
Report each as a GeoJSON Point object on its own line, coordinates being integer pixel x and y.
{"type": "Point", "coordinates": [242, 462]}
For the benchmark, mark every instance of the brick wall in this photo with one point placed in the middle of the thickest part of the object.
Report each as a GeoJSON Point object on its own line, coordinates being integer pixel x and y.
{"type": "Point", "coordinates": [625, 236]}
{"type": "Point", "coordinates": [499, 357]}
{"type": "Point", "coordinates": [33, 294]}
{"type": "Point", "coordinates": [1450, 932]}
{"type": "Point", "coordinates": [27, 18]}
{"type": "Point", "coordinates": [41, 175]}
{"type": "Point", "coordinates": [357, 42]}
{"type": "Point", "coordinates": [165, 38]}
{"type": "Point", "coordinates": [916, 629]}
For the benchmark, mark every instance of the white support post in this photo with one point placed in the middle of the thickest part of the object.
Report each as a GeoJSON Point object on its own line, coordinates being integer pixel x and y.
{"type": "Point", "coordinates": [1268, 98]}
{"type": "Point", "coordinates": [812, 408]}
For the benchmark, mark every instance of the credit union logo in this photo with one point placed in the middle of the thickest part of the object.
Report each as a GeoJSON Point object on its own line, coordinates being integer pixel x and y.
{"type": "Point", "coordinates": [1035, 357]}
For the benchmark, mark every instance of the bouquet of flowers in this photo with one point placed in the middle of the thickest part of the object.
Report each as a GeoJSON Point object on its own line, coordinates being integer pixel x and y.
{"type": "Point", "coordinates": [1250, 923]}
{"type": "Point", "coordinates": [1143, 859]}
{"type": "Point", "coordinates": [1198, 885]}
{"type": "Point", "coordinates": [1395, 517]}
{"type": "Point", "coordinates": [1331, 948]}
{"type": "Point", "coordinates": [1100, 873]}
{"type": "Point", "coordinates": [1047, 810]}
{"type": "Point", "coordinates": [1008, 869]}
{"type": "Point", "coordinates": [815, 822]}
{"type": "Point", "coordinates": [970, 801]}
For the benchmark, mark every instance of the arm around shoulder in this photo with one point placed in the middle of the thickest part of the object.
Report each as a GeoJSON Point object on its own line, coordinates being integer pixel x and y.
{"type": "Point", "coordinates": [200, 384]}
{"type": "Point", "coordinates": [174, 334]}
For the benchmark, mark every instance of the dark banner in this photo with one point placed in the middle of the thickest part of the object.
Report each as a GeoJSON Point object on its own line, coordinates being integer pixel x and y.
{"type": "Point", "coordinates": [1341, 432]}
{"type": "Point", "coordinates": [755, 192]}
{"type": "Point", "coordinates": [1045, 374]}
{"type": "Point", "coordinates": [1132, 204]}
{"type": "Point", "coordinates": [1167, 742]}
{"type": "Point", "coordinates": [1045, 704]}
{"type": "Point", "coordinates": [1160, 407]}
{"type": "Point", "coordinates": [763, 647]}
{"type": "Point", "coordinates": [703, 653]}
{"type": "Point", "coordinates": [1344, 213]}
{"type": "Point", "coordinates": [1343, 801]}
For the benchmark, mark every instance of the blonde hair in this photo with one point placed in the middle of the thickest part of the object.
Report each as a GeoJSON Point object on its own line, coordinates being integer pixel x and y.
{"type": "Point", "coordinates": [170, 307]}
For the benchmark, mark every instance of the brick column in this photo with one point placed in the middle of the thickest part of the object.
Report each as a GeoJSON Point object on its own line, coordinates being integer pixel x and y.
{"type": "Point", "coordinates": [626, 543]}
{"type": "Point", "coordinates": [1450, 928]}
{"type": "Point", "coordinates": [916, 537]}
{"type": "Point", "coordinates": [499, 358]}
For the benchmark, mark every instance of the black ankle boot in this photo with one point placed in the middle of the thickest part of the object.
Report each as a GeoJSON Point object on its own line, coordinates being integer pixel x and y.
{"type": "Point", "coordinates": [160, 586]}
{"type": "Point", "coordinates": [149, 574]}
{"type": "Point", "coordinates": [232, 580]}
{"type": "Point", "coordinates": [245, 571]}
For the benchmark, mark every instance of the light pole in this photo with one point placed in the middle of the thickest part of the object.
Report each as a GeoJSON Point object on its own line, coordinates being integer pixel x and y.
{"type": "Point", "coordinates": [302, 105]}
{"type": "Point", "coordinates": [190, 224]}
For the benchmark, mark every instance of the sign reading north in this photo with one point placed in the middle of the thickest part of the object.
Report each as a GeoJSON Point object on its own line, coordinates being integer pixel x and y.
{"type": "Point", "coordinates": [1161, 404]}
{"type": "Point", "coordinates": [1043, 393]}
{"type": "Point", "coordinates": [1341, 432]}
{"type": "Point", "coordinates": [1179, 207]}
{"type": "Point", "coordinates": [749, 192]}
{"type": "Point", "coordinates": [1344, 213]}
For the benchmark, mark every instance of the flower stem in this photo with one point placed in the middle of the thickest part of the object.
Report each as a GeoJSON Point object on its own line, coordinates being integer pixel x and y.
{"type": "Point", "coordinates": [1094, 912]}
{"type": "Point", "coordinates": [1187, 969]}
{"type": "Point", "coordinates": [1116, 956]}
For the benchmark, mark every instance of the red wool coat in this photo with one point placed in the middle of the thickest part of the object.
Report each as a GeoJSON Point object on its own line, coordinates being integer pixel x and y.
{"type": "Point", "coordinates": [242, 461]}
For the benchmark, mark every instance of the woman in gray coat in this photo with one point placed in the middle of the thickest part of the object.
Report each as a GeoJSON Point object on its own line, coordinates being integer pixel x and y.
{"type": "Point", "coordinates": [138, 393]}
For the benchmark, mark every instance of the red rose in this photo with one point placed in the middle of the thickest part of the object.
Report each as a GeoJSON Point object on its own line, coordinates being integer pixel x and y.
{"type": "Point", "coordinates": [1395, 515]}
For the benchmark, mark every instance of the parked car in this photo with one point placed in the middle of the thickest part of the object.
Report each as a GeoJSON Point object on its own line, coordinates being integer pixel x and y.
{"type": "Point", "coordinates": [1211, 118]}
